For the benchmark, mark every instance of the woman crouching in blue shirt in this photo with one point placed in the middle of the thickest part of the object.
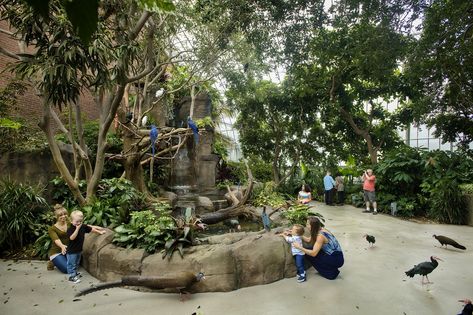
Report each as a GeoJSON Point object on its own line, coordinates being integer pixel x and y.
{"type": "Point", "coordinates": [324, 251]}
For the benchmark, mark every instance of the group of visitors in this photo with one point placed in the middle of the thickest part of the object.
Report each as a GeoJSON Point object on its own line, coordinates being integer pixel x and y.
{"type": "Point", "coordinates": [337, 185]}
{"type": "Point", "coordinates": [334, 185]}
{"type": "Point", "coordinates": [330, 186]}
{"type": "Point", "coordinates": [68, 240]}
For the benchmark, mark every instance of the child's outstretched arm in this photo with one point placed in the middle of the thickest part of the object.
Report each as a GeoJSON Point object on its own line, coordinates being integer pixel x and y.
{"type": "Point", "coordinates": [97, 229]}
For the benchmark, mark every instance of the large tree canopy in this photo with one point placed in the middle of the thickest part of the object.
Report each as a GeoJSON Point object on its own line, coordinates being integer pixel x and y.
{"type": "Point", "coordinates": [275, 127]}
{"type": "Point", "coordinates": [442, 70]}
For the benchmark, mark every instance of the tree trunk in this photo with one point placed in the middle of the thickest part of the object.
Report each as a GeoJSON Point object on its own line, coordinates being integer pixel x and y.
{"type": "Point", "coordinates": [45, 125]}
{"type": "Point", "coordinates": [275, 166]}
{"type": "Point", "coordinates": [134, 173]}
{"type": "Point", "coordinates": [365, 134]}
{"type": "Point", "coordinates": [372, 150]}
{"type": "Point", "coordinates": [132, 148]}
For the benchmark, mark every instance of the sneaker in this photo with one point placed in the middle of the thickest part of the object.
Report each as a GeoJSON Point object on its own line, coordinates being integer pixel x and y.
{"type": "Point", "coordinates": [79, 275]}
{"type": "Point", "coordinates": [74, 279]}
{"type": "Point", "coordinates": [50, 265]}
{"type": "Point", "coordinates": [366, 211]}
{"type": "Point", "coordinates": [301, 278]}
{"type": "Point", "coordinates": [375, 212]}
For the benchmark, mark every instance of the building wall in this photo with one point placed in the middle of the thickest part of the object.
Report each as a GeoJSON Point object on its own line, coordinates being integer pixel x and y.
{"type": "Point", "coordinates": [29, 105]}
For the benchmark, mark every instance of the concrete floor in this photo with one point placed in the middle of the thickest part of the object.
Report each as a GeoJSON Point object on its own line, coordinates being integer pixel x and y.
{"type": "Point", "coordinates": [372, 281]}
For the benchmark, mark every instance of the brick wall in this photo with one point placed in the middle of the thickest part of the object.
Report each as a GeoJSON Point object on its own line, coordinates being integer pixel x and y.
{"type": "Point", "coordinates": [29, 105]}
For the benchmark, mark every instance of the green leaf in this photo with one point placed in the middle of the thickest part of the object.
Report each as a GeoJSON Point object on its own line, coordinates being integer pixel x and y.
{"type": "Point", "coordinates": [7, 123]}
{"type": "Point", "coordinates": [303, 170]}
{"type": "Point", "coordinates": [83, 15]}
{"type": "Point", "coordinates": [186, 231]}
{"type": "Point", "coordinates": [122, 229]}
{"type": "Point", "coordinates": [155, 5]}
{"type": "Point", "coordinates": [169, 244]}
{"type": "Point", "coordinates": [180, 247]}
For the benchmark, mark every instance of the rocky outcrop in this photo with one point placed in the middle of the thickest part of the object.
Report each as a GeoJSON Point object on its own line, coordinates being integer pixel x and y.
{"type": "Point", "coordinates": [229, 261]}
{"type": "Point", "coordinates": [204, 205]}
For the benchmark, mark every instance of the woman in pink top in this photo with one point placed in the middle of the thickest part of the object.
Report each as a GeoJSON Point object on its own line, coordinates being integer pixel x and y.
{"type": "Point", "coordinates": [369, 181]}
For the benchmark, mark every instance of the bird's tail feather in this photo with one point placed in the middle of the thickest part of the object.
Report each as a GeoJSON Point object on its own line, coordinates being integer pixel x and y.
{"type": "Point", "coordinates": [459, 246]}
{"type": "Point", "coordinates": [100, 286]}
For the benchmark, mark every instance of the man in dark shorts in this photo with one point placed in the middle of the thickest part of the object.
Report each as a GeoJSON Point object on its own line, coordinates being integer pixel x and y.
{"type": "Point", "coordinates": [369, 181]}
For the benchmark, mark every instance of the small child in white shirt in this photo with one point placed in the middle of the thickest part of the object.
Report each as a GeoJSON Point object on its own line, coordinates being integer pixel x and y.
{"type": "Point", "coordinates": [294, 236]}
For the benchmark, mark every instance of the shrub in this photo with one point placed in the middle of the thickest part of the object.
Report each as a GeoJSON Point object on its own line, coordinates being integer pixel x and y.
{"type": "Point", "coordinates": [444, 172]}
{"type": "Point", "coordinates": [43, 241]}
{"type": "Point", "coordinates": [262, 171]}
{"type": "Point", "coordinates": [267, 196]}
{"type": "Point", "coordinates": [466, 189]}
{"type": "Point", "coordinates": [20, 209]}
{"type": "Point", "coordinates": [63, 195]}
{"type": "Point", "coordinates": [400, 172]}
{"type": "Point", "coordinates": [357, 199]}
{"type": "Point", "coordinates": [121, 195]}
{"type": "Point", "coordinates": [297, 214]}
{"type": "Point", "coordinates": [116, 198]}
{"type": "Point", "coordinates": [147, 229]}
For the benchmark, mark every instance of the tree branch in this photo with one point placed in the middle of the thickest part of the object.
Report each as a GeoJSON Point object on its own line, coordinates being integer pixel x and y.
{"type": "Point", "coordinates": [141, 22]}
{"type": "Point", "coordinates": [4, 31]}
{"type": "Point", "coordinates": [9, 54]}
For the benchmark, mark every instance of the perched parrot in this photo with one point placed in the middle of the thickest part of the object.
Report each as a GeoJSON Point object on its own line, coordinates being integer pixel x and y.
{"type": "Point", "coordinates": [194, 128]}
{"type": "Point", "coordinates": [153, 135]}
{"type": "Point", "coordinates": [266, 221]}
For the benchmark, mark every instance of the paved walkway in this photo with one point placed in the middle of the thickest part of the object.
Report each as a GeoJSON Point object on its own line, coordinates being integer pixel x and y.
{"type": "Point", "coordinates": [371, 282]}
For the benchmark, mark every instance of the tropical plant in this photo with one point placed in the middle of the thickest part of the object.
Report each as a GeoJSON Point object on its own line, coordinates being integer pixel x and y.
{"type": "Point", "coordinates": [444, 172]}
{"type": "Point", "coordinates": [147, 229]}
{"type": "Point", "coordinates": [399, 175]}
{"type": "Point", "coordinates": [21, 206]}
{"type": "Point", "coordinates": [183, 235]}
{"type": "Point", "coordinates": [297, 214]}
{"type": "Point", "coordinates": [267, 196]}
{"type": "Point", "coordinates": [205, 122]}
{"type": "Point", "coordinates": [116, 198]}
{"type": "Point", "coordinates": [120, 194]}
{"type": "Point", "coordinates": [63, 195]}
{"type": "Point", "coordinates": [101, 213]}
{"type": "Point", "coordinates": [43, 240]}
{"type": "Point", "coordinates": [357, 199]}
{"type": "Point", "coordinates": [400, 171]}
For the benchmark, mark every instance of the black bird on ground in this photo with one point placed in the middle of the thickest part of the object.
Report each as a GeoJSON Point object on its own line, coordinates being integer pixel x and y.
{"type": "Point", "coordinates": [182, 282]}
{"type": "Point", "coordinates": [424, 269]}
{"type": "Point", "coordinates": [370, 238]}
{"type": "Point", "coordinates": [448, 241]}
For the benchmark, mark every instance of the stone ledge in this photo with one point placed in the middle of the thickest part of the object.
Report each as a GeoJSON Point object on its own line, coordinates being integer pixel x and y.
{"type": "Point", "coordinates": [230, 261]}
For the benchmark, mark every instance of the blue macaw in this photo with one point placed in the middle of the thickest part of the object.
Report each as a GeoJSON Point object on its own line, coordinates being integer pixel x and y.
{"type": "Point", "coordinates": [194, 128]}
{"type": "Point", "coordinates": [153, 135]}
{"type": "Point", "coordinates": [266, 221]}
